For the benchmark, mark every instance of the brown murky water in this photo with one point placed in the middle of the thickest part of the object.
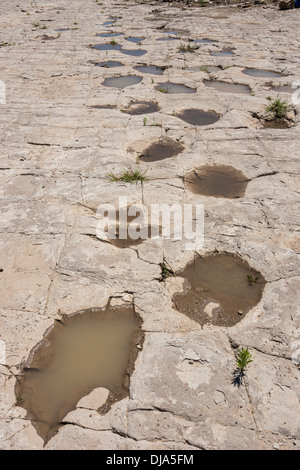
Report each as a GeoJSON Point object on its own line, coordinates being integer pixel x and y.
{"type": "Point", "coordinates": [137, 221]}
{"type": "Point", "coordinates": [142, 107]}
{"type": "Point", "coordinates": [217, 289]}
{"type": "Point", "coordinates": [164, 148]}
{"type": "Point", "coordinates": [217, 181]}
{"type": "Point", "coordinates": [198, 117]}
{"type": "Point", "coordinates": [277, 124]}
{"type": "Point", "coordinates": [89, 349]}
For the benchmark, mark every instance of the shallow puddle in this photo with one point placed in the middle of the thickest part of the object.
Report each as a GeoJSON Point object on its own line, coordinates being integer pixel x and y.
{"type": "Point", "coordinates": [261, 73]}
{"type": "Point", "coordinates": [149, 69]}
{"type": "Point", "coordinates": [217, 289]}
{"type": "Point", "coordinates": [135, 52]}
{"type": "Point", "coordinates": [204, 41]}
{"type": "Point", "coordinates": [167, 39]}
{"type": "Point", "coordinates": [63, 29]}
{"type": "Point", "coordinates": [224, 87]}
{"type": "Point", "coordinates": [142, 107]}
{"type": "Point", "coordinates": [128, 241]}
{"type": "Point", "coordinates": [134, 39]}
{"type": "Point", "coordinates": [122, 82]}
{"type": "Point", "coordinates": [222, 53]}
{"type": "Point", "coordinates": [285, 89]}
{"type": "Point", "coordinates": [173, 88]}
{"type": "Point", "coordinates": [197, 117]}
{"type": "Point", "coordinates": [217, 181]}
{"type": "Point", "coordinates": [109, 35]}
{"type": "Point", "coordinates": [204, 68]}
{"type": "Point", "coordinates": [164, 148]}
{"type": "Point", "coordinates": [276, 124]}
{"type": "Point", "coordinates": [110, 64]}
{"type": "Point", "coordinates": [107, 47]}
{"type": "Point", "coordinates": [89, 349]}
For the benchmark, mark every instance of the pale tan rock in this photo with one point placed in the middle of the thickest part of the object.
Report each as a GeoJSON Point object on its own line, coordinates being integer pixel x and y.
{"type": "Point", "coordinates": [94, 400]}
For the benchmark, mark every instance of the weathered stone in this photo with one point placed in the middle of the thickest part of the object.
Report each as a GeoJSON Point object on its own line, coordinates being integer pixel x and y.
{"type": "Point", "coordinates": [94, 400]}
{"type": "Point", "coordinates": [62, 133]}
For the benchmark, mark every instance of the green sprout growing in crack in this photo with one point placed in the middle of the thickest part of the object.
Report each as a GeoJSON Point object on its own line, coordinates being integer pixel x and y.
{"type": "Point", "coordinates": [277, 107]}
{"type": "Point", "coordinates": [251, 279]}
{"type": "Point", "coordinates": [128, 176]}
{"type": "Point", "coordinates": [165, 272]}
{"type": "Point", "coordinates": [243, 359]}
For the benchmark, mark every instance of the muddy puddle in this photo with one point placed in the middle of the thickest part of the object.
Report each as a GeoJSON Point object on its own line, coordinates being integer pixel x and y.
{"type": "Point", "coordinates": [135, 39]}
{"type": "Point", "coordinates": [89, 349]}
{"type": "Point", "coordinates": [151, 69]}
{"type": "Point", "coordinates": [277, 124]}
{"type": "Point", "coordinates": [164, 148]}
{"type": "Point", "coordinates": [134, 52]}
{"type": "Point", "coordinates": [107, 47]}
{"type": "Point", "coordinates": [109, 22]}
{"type": "Point", "coordinates": [217, 289]}
{"type": "Point", "coordinates": [173, 88]}
{"type": "Point", "coordinates": [125, 222]}
{"type": "Point", "coordinates": [257, 73]}
{"type": "Point", "coordinates": [222, 53]}
{"type": "Point", "coordinates": [122, 82]}
{"type": "Point", "coordinates": [110, 64]}
{"type": "Point", "coordinates": [204, 68]}
{"type": "Point", "coordinates": [224, 87]}
{"type": "Point", "coordinates": [204, 41]}
{"type": "Point", "coordinates": [198, 117]}
{"type": "Point", "coordinates": [217, 181]}
{"type": "Point", "coordinates": [142, 107]}
{"type": "Point", "coordinates": [285, 89]}
{"type": "Point", "coordinates": [167, 39]}
{"type": "Point", "coordinates": [109, 35]}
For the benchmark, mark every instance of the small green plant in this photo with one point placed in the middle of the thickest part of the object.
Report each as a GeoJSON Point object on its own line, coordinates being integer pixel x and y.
{"type": "Point", "coordinates": [204, 69]}
{"type": "Point", "coordinates": [6, 44]}
{"type": "Point", "coordinates": [252, 280]}
{"type": "Point", "coordinates": [277, 107]}
{"type": "Point", "coordinates": [188, 47]}
{"type": "Point", "coordinates": [129, 176]}
{"type": "Point", "coordinates": [113, 43]}
{"type": "Point", "coordinates": [224, 67]}
{"type": "Point", "coordinates": [162, 90]}
{"type": "Point", "coordinates": [43, 27]}
{"type": "Point", "coordinates": [36, 25]}
{"type": "Point", "coordinates": [243, 359]}
{"type": "Point", "coordinates": [165, 272]}
{"type": "Point", "coordinates": [145, 121]}
{"type": "Point", "coordinates": [20, 400]}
